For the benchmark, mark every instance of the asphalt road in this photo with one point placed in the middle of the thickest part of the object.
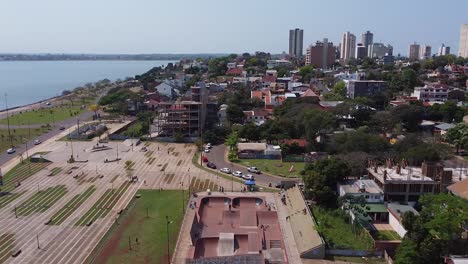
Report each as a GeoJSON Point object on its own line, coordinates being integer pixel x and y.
{"type": "Point", "coordinates": [216, 156]}
{"type": "Point", "coordinates": [4, 157]}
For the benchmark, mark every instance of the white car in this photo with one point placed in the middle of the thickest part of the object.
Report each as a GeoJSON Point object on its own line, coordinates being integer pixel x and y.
{"type": "Point", "coordinates": [37, 142]}
{"type": "Point", "coordinates": [225, 170]}
{"type": "Point", "coordinates": [11, 150]}
{"type": "Point", "coordinates": [237, 174]}
{"type": "Point", "coordinates": [207, 150]}
{"type": "Point", "coordinates": [253, 169]}
{"type": "Point", "coordinates": [209, 145]}
{"type": "Point", "coordinates": [247, 177]}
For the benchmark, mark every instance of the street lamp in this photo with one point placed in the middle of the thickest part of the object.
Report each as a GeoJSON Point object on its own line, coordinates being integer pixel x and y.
{"type": "Point", "coordinates": [168, 246]}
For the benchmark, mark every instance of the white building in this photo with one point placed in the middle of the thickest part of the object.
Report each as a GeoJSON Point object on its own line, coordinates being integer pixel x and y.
{"type": "Point", "coordinates": [348, 46]}
{"type": "Point", "coordinates": [365, 188]}
{"type": "Point", "coordinates": [275, 63]}
{"type": "Point", "coordinates": [443, 50]}
{"type": "Point", "coordinates": [463, 46]}
{"type": "Point", "coordinates": [379, 50]}
{"type": "Point", "coordinates": [432, 92]}
{"type": "Point", "coordinates": [231, 65]}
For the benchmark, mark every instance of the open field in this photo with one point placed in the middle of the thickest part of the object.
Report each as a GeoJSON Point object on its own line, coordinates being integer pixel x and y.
{"type": "Point", "coordinates": [19, 136]}
{"type": "Point", "coordinates": [141, 235]}
{"type": "Point", "coordinates": [48, 115]}
{"type": "Point", "coordinates": [275, 167]}
{"type": "Point", "coordinates": [338, 233]}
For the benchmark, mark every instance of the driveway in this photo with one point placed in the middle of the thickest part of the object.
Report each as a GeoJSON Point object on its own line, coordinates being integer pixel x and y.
{"type": "Point", "coordinates": [217, 154]}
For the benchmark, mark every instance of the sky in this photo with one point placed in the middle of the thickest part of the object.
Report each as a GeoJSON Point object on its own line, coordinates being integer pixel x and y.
{"type": "Point", "coordinates": [218, 26]}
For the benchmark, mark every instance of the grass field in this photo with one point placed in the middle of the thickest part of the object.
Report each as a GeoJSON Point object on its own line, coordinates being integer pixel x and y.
{"type": "Point", "coordinates": [47, 115]}
{"type": "Point", "coordinates": [387, 235]}
{"type": "Point", "coordinates": [103, 206]}
{"type": "Point", "coordinates": [71, 206]}
{"type": "Point", "coordinates": [150, 231]}
{"type": "Point", "coordinates": [41, 201]}
{"type": "Point", "coordinates": [275, 167]}
{"type": "Point", "coordinates": [19, 136]}
{"type": "Point", "coordinates": [338, 233]}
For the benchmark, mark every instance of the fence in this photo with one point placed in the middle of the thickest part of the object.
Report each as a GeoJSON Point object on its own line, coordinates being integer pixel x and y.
{"type": "Point", "coordinates": [353, 253]}
{"type": "Point", "coordinates": [257, 156]}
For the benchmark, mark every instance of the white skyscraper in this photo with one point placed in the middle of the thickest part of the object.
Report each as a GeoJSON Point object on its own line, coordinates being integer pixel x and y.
{"type": "Point", "coordinates": [348, 46]}
{"type": "Point", "coordinates": [463, 47]}
{"type": "Point", "coordinates": [296, 37]}
{"type": "Point", "coordinates": [443, 50]}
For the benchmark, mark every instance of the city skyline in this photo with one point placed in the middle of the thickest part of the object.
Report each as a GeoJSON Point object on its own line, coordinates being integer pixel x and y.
{"type": "Point", "coordinates": [121, 27]}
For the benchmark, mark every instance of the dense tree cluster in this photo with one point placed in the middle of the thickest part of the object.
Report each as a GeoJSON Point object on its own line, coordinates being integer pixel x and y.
{"type": "Point", "coordinates": [435, 232]}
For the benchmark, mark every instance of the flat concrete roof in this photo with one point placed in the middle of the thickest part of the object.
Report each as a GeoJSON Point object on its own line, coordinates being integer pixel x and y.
{"type": "Point", "coordinates": [353, 186]}
{"type": "Point", "coordinates": [398, 209]}
{"type": "Point", "coordinates": [251, 146]}
{"type": "Point", "coordinates": [407, 174]}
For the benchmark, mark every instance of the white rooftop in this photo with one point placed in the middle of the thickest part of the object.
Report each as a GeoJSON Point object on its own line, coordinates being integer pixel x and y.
{"type": "Point", "coordinates": [407, 174]}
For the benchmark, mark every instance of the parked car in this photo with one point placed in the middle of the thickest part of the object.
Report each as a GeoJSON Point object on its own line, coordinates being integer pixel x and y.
{"type": "Point", "coordinates": [61, 128]}
{"type": "Point", "coordinates": [237, 174]}
{"type": "Point", "coordinates": [211, 165]}
{"type": "Point", "coordinates": [209, 145]}
{"type": "Point", "coordinates": [248, 177]}
{"type": "Point", "coordinates": [253, 170]}
{"type": "Point", "coordinates": [225, 170]}
{"type": "Point", "coordinates": [207, 150]}
{"type": "Point", "coordinates": [205, 159]}
{"type": "Point", "coordinates": [11, 150]}
{"type": "Point", "coordinates": [37, 142]}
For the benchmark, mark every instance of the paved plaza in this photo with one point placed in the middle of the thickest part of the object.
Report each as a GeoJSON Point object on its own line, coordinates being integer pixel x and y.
{"type": "Point", "coordinates": [91, 194]}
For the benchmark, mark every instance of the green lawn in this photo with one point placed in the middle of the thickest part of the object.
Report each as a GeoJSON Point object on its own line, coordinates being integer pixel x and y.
{"type": "Point", "coordinates": [47, 115]}
{"type": "Point", "coordinates": [275, 167]}
{"type": "Point", "coordinates": [150, 231]}
{"type": "Point", "coordinates": [338, 233]}
{"type": "Point", "coordinates": [387, 235]}
{"type": "Point", "coordinates": [18, 136]}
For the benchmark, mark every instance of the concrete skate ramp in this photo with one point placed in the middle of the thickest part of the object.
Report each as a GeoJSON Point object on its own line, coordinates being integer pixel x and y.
{"type": "Point", "coordinates": [226, 244]}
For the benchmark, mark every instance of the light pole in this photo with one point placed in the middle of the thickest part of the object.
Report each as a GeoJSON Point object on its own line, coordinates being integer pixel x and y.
{"type": "Point", "coordinates": [8, 121]}
{"type": "Point", "coordinates": [168, 246]}
{"type": "Point", "coordinates": [232, 179]}
{"type": "Point", "coordinates": [183, 197]}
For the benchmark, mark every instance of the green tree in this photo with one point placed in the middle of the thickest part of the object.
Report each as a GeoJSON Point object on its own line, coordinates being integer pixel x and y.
{"type": "Point", "coordinates": [232, 140]}
{"type": "Point", "coordinates": [234, 114]}
{"type": "Point", "coordinates": [320, 180]}
{"type": "Point", "coordinates": [306, 73]}
{"type": "Point", "coordinates": [410, 115]}
{"type": "Point", "coordinates": [340, 88]}
{"type": "Point", "coordinates": [458, 136]}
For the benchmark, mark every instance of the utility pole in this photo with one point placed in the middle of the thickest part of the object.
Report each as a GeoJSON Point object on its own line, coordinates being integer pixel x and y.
{"type": "Point", "coordinates": [8, 121]}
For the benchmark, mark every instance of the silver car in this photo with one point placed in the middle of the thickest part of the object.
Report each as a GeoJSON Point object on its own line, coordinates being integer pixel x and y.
{"type": "Point", "coordinates": [225, 170]}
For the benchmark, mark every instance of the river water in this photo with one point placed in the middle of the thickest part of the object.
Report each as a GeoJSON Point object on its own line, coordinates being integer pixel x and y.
{"type": "Point", "coordinates": [27, 82]}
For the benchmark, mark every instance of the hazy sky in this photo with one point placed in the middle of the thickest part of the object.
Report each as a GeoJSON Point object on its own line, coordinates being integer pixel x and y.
{"type": "Point", "coordinates": [196, 26]}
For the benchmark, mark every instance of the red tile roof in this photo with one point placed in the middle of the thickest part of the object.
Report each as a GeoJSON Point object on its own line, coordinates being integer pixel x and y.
{"type": "Point", "coordinates": [300, 141]}
{"type": "Point", "coordinates": [309, 93]}
{"type": "Point", "coordinates": [264, 96]}
{"type": "Point", "coordinates": [234, 71]}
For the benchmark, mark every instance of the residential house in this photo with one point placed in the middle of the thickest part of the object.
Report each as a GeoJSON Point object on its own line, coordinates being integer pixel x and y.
{"type": "Point", "coordinates": [459, 189]}
{"type": "Point", "coordinates": [367, 189]}
{"type": "Point", "coordinates": [257, 116]}
{"type": "Point", "coordinates": [395, 213]}
{"type": "Point", "coordinates": [262, 96]}
{"type": "Point", "coordinates": [258, 150]}
{"type": "Point", "coordinates": [165, 89]}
